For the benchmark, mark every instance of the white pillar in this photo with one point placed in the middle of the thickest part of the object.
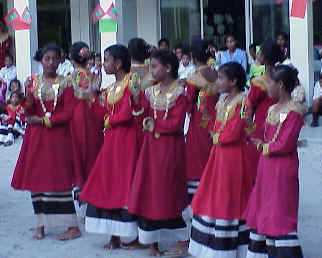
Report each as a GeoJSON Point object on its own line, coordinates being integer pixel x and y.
{"type": "Point", "coordinates": [301, 43]}
{"type": "Point", "coordinates": [149, 22]}
{"type": "Point", "coordinates": [107, 39]}
{"type": "Point", "coordinates": [23, 45]}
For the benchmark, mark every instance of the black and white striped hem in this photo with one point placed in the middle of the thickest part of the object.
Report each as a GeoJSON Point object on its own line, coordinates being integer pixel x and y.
{"type": "Point", "coordinates": [218, 238]}
{"type": "Point", "coordinates": [116, 222]}
{"type": "Point", "coordinates": [54, 209]}
{"type": "Point", "coordinates": [278, 247]}
{"type": "Point", "coordinates": [192, 186]}
{"type": "Point", "coordinates": [152, 231]}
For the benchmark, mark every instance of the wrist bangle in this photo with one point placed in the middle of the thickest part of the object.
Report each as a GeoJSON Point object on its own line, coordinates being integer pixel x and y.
{"type": "Point", "coordinates": [47, 122]}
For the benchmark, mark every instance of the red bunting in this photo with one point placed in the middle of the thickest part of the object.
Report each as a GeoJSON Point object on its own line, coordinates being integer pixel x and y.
{"type": "Point", "coordinates": [299, 8]}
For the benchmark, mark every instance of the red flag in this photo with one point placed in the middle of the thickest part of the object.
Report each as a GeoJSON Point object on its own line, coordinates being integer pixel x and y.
{"type": "Point", "coordinates": [26, 16]}
{"type": "Point", "coordinates": [298, 8]}
{"type": "Point", "coordinates": [112, 12]}
{"type": "Point", "coordinates": [98, 13]}
{"type": "Point", "coordinates": [11, 16]}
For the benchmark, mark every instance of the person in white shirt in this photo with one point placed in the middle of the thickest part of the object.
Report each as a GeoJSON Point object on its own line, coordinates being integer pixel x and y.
{"type": "Point", "coordinates": [186, 66]}
{"type": "Point", "coordinates": [65, 67]}
{"type": "Point", "coordinates": [9, 72]}
{"type": "Point", "coordinates": [317, 102]}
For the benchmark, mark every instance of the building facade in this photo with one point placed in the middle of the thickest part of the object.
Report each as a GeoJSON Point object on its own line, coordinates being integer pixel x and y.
{"type": "Point", "coordinates": [252, 21]}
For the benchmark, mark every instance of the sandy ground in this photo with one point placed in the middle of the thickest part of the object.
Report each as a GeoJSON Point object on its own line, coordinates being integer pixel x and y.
{"type": "Point", "coordinates": [16, 219]}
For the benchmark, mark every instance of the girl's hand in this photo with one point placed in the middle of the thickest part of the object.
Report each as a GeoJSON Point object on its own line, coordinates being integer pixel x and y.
{"type": "Point", "coordinates": [34, 120]}
{"type": "Point", "coordinates": [258, 143]}
{"type": "Point", "coordinates": [148, 124]}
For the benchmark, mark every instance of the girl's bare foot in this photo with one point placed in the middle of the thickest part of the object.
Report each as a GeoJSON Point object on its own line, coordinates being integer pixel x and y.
{"type": "Point", "coordinates": [154, 250]}
{"type": "Point", "coordinates": [70, 234]}
{"type": "Point", "coordinates": [115, 243]}
{"type": "Point", "coordinates": [133, 245]}
{"type": "Point", "coordinates": [39, 233]}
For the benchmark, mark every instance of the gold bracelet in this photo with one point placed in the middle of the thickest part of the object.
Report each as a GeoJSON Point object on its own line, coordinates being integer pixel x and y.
{"type": "Point", "coordinates": [47, 122]}
{"type": "Point", "coordinates": [266, 149]}
{"type": "Point", "coordinates": [215, 139]}
{"type": "Point", "coordinates": [107, 123]}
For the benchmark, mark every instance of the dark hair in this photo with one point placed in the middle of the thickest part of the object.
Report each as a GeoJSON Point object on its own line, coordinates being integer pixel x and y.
{"type": "Point", "coordinates": [234, 71]}
{"type": "Point", "coordinates": [10, 56]}
{"type": "Point", "coordinates": [186, 51]}
{"type": "Point", "coordinates": [287, 75]}
{"type": "Point", "coordinates": [139, 49]}
{"type": "Point", "coordinates": [49, 47]}
{"type": "Point", "coordinates": [79, 53]}
{"type": "Point", "coordinates": [15, 81]}
{"type": "Point", "coordinates": [178, 46]}
{"type": "Point", "coordinates": [284, 35]}
{"type": "Point", "coordinates": [199, 51]}
{"type": "Point", "coordinates": [252, 46]}
{"type": "Point", "coordinates": [37, 55]}
{"type": "Point", "coordinates": [164, 40]}
{"type": "Point", "coordinates": [166, 57]}
{"type": "Point", "coordinates": [98, 55]}
{"type": "Point", "coordinates": [121, 53]}
{"type": "Point", "coordinates": [271, 52]}
{"type": "Point", "coordinates": [229, 35]}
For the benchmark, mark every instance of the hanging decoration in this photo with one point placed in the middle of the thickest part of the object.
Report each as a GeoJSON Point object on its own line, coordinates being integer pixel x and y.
{"type": "Point", "coordinates": [26, 16]}
{"type": "Point", "coordinates": [98, 13]}
{"type": "Point", "coordinates": [17, 22]}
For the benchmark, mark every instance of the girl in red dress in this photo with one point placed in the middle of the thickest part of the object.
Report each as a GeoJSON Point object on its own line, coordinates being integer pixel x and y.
{"type": "Point", "coordinates": [45, 166]}
{"type": "Point", "coordinates": [108, 186]}
{"type": "Point", "coordinates": [272, 211]}
{"type": "Point", "coordinates": [86, 129]}
{"type": "Point", "coordinates": [258, 100]}
{"type": "Point", "coordinates": [158, 194]}
{"type": "Point", "coordinates": [218, 229]}
{"type": "Point", "coordinates": [201, 93]}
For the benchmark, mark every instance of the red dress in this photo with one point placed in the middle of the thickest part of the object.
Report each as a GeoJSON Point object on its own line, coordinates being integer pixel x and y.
{"type": "Point", "coordinates": [258, 103]}
{"type": "Point", "coordinates": [110, 180]}
{"type": "Point", "coordinates": [226, 184]}
{"type": "Point", "coordinates": [14, 112]}
{"type": "Point", "coordinates": [45, 163]}
{"type": "Point", "coordinates": [273, 206]}
{"type": "Point", "coordinates": [203, 113]}
{"type": "Point", "coordinates": [86, 128]}
{"type": "Point", "coordinates": [159, 187]}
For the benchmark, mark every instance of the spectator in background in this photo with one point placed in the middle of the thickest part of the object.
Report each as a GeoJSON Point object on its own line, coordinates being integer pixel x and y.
{"type": "Point", "coordinates": [233, 54]}
{"type": "Point", "coordinates": [282, 42]}
{"type": "Point", "coordinates": [186, 66]}
{"type": "Point", "coordinates": [91, 62]}
{"type": "Point", "coordinates": [5, 43]}
{"type": "Point", "coordinates": [97, 68]}
{"type": "Point", "coordinates": [9, 71]}
{"type": "Point", "coordinates": [14, 87]}
{"type": "Point", "coordinates": [317, 103]}
{"type": "Point", "coordinates": [164, 44]}
{"type": "Point", "coordinates": [252, 54]}
{"type": "Point", "coordinates": [178, 50]}
{"type": "Point", "coordinates": [65, 67]}
{"type": "Point", "coordinates": [298, 94]}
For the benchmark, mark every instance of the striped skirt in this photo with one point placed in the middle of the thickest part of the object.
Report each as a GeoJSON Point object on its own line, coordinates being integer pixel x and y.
{"type": "Point", "coordinates": [3, 133]}
{"type": "Point", "coordinates": [54, 209]}
{"type": "Point", "coordinates": [192, 186]}
{"type": "Point", "coordinates": [277, 247]}
{"type": "Point", "coordinates": [156, 231]}
{"type": "Point", "coordinates": [117, 222]}
{"type": "Point", "coordinates": [216, 238]}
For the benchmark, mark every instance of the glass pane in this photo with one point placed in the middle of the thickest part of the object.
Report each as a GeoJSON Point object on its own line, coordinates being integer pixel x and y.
{"type": "Point", "coordinates": [270, 17]}
{"type": "Point", "coordinates": [54, 22]}
{"type": "Point", "coordinates": [221, 19]}
{"type": "Point", "coordinates": [180, 20]}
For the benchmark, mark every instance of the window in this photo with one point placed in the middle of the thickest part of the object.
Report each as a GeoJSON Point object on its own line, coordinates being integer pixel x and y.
{"type": "Point", "coordinates": [270, 17]}
{"type": "Point", "coordinates": [180, 20]}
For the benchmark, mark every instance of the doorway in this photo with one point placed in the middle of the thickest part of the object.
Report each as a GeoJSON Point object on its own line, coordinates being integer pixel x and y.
{"type": "Point", "coordinates": [224, 17]}
{"type": "Point", "coordinates": [54, 23]}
